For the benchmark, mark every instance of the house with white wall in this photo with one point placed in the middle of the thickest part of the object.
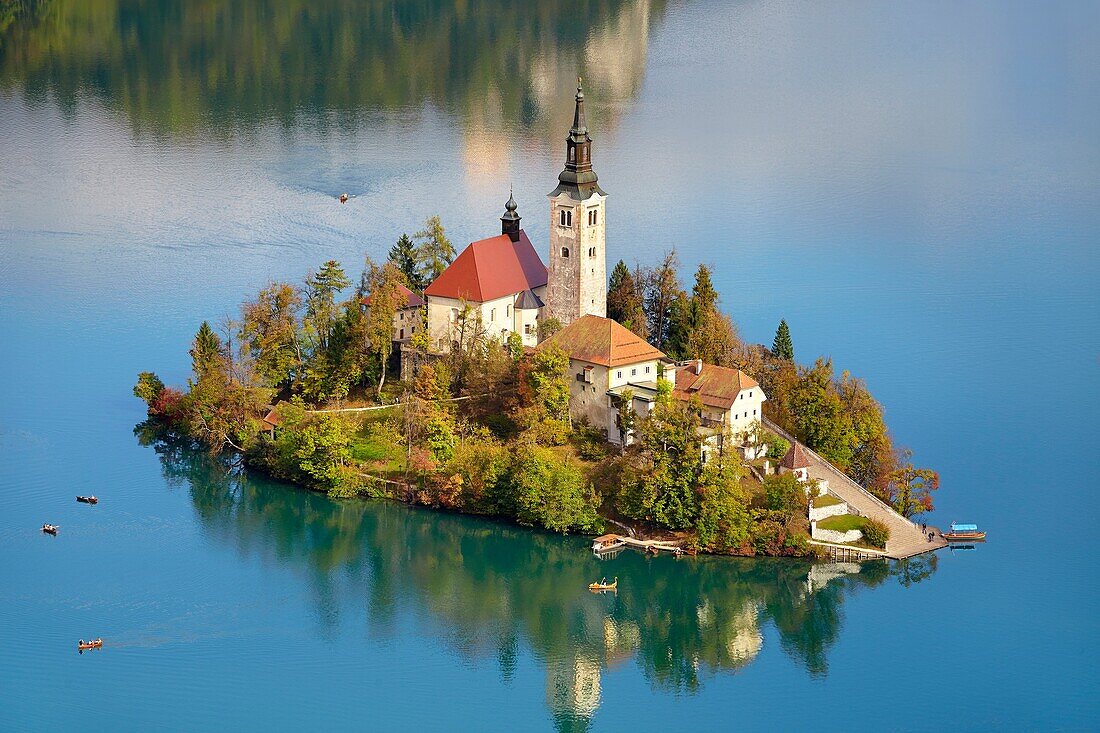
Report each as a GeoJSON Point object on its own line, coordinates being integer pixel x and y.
{"type": "Point", "coordinates": [500, 279]}
{"type": "Point", "coordinates": [731, 402]}
{"type": "Point", "coordinates": [605, 359]}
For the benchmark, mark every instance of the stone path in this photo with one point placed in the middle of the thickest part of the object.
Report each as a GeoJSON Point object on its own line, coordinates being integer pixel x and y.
{"type": "Point", "coordinates": [906, 538]}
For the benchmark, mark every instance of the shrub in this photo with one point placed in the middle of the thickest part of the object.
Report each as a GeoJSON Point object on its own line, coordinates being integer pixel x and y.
{"type": "Point", "coordinates": [777, 447]}
{"type": "Point", "coordinates": [783, 493]}
{"type": "Point", "coordinates": [876, 533]}
{"type": "Point", "coordinates": [551, 492]}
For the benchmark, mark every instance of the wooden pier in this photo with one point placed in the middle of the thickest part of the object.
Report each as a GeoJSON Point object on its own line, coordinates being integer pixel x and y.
{"type": "Point", "coordinates": [612, 543]}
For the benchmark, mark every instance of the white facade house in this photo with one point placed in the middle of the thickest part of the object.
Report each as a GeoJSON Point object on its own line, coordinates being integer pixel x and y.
{"type": "Point", "coordinates": [606, 358]}
{"type": "Point", "coordinates": [406, 319]}
{"type": "Point", "coordinates": [499, 283]}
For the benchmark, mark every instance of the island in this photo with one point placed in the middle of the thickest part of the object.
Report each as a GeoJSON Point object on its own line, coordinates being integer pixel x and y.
{"type": "Point", "coordinates": [551, 395]}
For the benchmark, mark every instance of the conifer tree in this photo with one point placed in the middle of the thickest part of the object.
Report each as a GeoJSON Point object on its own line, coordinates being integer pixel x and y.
{"type": "Point", "coordinates": [206, 352]}
{"type": "Point", "coordinates": [320, 291]}
{"type": "Point", "coordinates": [403, 256]}
{"type": "Point", "coordinates": [782, 346]}
{"type": "Point", "coordinates": [624, 302]}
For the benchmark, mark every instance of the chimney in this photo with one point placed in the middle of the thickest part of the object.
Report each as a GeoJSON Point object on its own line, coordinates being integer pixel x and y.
{"type": "Point", "coordinates": [698, 367]}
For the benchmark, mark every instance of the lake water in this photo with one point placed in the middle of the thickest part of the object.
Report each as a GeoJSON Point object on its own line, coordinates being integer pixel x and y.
{"type": "Point", "coordinates": [915, 189]}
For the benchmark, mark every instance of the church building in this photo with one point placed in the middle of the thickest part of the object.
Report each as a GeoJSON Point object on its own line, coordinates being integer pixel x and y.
{"type": "Point", "coordinates": [503, 281]}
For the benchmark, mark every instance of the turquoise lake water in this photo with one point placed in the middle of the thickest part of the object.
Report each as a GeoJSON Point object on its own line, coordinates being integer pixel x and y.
{"type": "Point", "coordinates": [916, 190]}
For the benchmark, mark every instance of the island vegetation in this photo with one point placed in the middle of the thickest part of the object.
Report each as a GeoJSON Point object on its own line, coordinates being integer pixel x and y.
{"type": "Point", "coordinates": [486, 428]}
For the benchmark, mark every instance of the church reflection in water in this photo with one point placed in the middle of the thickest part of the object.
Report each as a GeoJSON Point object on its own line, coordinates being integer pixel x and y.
{"type": "Point", "coordinates": [489, 590]}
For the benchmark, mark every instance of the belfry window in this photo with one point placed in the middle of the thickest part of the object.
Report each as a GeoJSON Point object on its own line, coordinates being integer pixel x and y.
{"type": "Point", "coordinates": [572, 154]}
{"type": "Point", "coordinates": [565, 252]}
{"type": "Point", "coordinates": [566, 217]}
{"type": "Point", "coordinates": [593, 216]}
{"type": "Point", "coordinates": [591, 251]}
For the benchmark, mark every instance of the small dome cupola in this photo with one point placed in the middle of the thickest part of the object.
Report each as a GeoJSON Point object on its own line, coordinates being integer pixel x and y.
{"type": "Point", "coordinates": [509, 223]}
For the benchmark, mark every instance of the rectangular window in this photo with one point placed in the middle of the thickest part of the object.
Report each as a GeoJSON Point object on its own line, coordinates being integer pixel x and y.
{"type": "Point", "coordinates": [618, 375]}
{"type": "Point", "coordinates": [402, 334]}
{"type": "Point", "coordinates": [647, 370]}
{"type": "Point", "coordinates": [401, 315]}
{"type": "Point", "coordinates": [742, 395]}
{"type": "Point", "coordinates": [633, 372]}
{"type": "Point", "coordinates": [508, 311]}
{"type": "Point", "coordinates": [754, 413]}
{"type": "Point", "coordinates": [492, 314]}
{"type": "Point", "coordinates": [529, 329]}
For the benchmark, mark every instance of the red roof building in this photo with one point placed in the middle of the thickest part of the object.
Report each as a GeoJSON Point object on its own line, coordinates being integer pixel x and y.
{"type": "Point", "coordinates": [489, 269]}
{"type": "Point", "coordinates": [412, 300]}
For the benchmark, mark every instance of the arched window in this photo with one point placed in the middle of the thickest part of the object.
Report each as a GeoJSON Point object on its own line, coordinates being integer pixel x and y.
{"type": "Point", "coordinates": [565, 217]}
{"type": "Point", "coordinates": [565, 252]}
{"type": "Point", "coordinates": [572, 154]}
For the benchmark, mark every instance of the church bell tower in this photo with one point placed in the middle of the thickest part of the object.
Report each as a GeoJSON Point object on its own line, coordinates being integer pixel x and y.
{"type": "Point", "coordinates": [577, 283]}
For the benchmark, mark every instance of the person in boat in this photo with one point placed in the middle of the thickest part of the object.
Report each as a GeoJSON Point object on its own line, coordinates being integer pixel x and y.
{"type": "Point", "coordinates": [603, 581]}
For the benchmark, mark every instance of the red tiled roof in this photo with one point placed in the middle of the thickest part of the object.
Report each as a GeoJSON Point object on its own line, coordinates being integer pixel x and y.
{"type": "Point", "coordinates": [795, 458]}
{"type": "Point", "coordinates": [491, 268]}
{"type": "Point", "coordinates": [715, 386]}
{"type": "Point", "coordinates": [602, 341]}
{"type": "Point", "coordinates": [412, 300]}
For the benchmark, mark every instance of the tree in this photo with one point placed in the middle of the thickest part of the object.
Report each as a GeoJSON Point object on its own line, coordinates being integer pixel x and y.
{"type": "Point", "coordinates": [312, 447]}
{"type": "Point", "coordinates": [386, 297]}
{"type": "Point", "coordinates": [271, 333]}
{"type": "Point", "coordinates": [321, 311]}
{"type": "Point", "coordinates": [680, 327]}
{"type": "Point", "coordinates": [661, 286]}
{"type": "Point", "coordinates": [403, 256]}
{"type": "Point", "coordinates": [782, 347]}
{"type": "Point", "coordinates": [664, 477]}
{"type": "Point", "coordinates": [724, 523]}
{"type": "Point", "coordinates": [148, 388]}
{"type": "Point", "coordinates": [551, 492]}
{"type": "Point", "coordinates": [544, 394]}
{"type": "Point", "coordinates": [207, 353]}
{"type": "Point", "coordinates": [433, 251]}
{"type": "Point", "coordinates": [910, 489]}
{"type": "Point", "coordinates": [704, 298]}
{"type": "Point", "coordinates": [715, 341]}
{"type": "Point", "coordinates": [624, 301]}
{"type": "Point", "coordinates": [783, 493]}
{"type": "Point", "coordinates": [873, 455]}
{"type": "Point", "coordinates": [819, 415]}
{"type": "Point", "coordinates": [548, 327]}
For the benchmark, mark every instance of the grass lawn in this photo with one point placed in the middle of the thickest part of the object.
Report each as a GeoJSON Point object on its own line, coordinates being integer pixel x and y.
{"type": "Point", "coordinates": [842, 523]}
{"type": "Point", "coordinates": [825, 500]}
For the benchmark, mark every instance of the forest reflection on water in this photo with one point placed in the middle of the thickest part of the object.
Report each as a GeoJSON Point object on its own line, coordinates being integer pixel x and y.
{"type": "Point", "coordinates": [209, 68]}
{"type": "Point", "coordinates": [485, 588]}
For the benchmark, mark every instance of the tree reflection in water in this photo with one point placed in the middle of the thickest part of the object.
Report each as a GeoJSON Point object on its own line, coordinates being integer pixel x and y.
{"type": "Point", "coordinates": [486, 588]}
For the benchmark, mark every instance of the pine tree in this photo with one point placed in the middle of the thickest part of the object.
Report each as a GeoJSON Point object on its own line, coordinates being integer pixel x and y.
{"type": "Point", "coordinates": [403, 256]}
{"type": "Point", "coordinates": [624, 302]}
{"type": "Point", "coordinates": [782, 346]}
{"type": "Point", "coordinates": [206, 352]}
{"type": "Point", "coordinates": [321, 289]}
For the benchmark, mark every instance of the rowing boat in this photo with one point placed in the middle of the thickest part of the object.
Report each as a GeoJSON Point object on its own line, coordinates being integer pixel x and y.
{"type": "Point", "coordinates": [600, 587]}
{"type": "Point", "coordinates": [50, 528]}
{"type": "Point", "coordinates": [87, 500]}
{"type": "Point", "coordinates": [93, 644]}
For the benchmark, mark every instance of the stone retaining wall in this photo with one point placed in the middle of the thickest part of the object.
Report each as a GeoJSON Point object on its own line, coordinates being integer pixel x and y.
{"type": "Point", "coordinates": [817, 514]}
{"type": "Point", "coordinates": [831, 535]}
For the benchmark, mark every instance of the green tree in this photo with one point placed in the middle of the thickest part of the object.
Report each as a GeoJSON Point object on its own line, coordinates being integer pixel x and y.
{"type": "Point", "coordinates": [544, 393]}
{"type": "Point", "coordinates": [661, 485]}
{"type": "Point", "coordinates": [433, 250]}
{"type": "Point", "coordinates": [820, 418]}
{"type": "Point", "coordinates": [783, 493]}
{"type": "Point", "coordinates": [724, 523]}
{"type": "Point", "coordinates": [782, 347]}
{"type": "Point", "coordinates": [910, 489]}
{"type": "Point", "coordinates": [551, 492]}
{"type": "Point", "coordinates": [149, 386]}
{"type": "Point", "coordinates": [321, 290]}
{"type": "Point", "coordinates": [680, 327]}
{"type": "Point", "coordinates": [624, 301]}
{"type": "Point", "coordinates": [548, 327]}
{"type": "Point", "coordinates": [271, 333]}
{"type": "Point", "coordinates": [207, 353]}
{"type": "Point", "coordinates": [312, 448]}
{"type": "Point", "coordinates": [403, 256]}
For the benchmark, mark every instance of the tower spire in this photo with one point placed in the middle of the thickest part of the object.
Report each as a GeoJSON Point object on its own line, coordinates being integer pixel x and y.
{"type": "Point", "coordinates": [578, 177]}
{"type": "Point", "coordinates": [509, 223]}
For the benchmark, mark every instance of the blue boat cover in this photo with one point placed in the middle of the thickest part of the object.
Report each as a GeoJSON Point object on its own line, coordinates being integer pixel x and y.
{"type": "Point", "coordinates": [964, 527]}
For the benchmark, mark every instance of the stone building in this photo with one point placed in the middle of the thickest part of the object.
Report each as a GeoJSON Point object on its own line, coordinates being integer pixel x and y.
{"type": "Point", "coordinates": [578, 259]}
